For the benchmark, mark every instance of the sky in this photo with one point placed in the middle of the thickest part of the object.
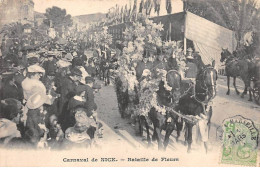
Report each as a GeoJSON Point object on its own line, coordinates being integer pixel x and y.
{"type": "Point", "coordinates": [80, 7]}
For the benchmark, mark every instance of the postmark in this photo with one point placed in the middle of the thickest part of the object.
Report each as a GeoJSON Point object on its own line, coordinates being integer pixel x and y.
{"type": "Point", "coordinates": [240, 141]}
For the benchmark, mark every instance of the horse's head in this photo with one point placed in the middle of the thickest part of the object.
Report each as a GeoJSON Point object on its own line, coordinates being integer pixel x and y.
{"type": "Point", "coordinates": [173, 79]}
{"type": "Point", "coordinates": [224, 55]}
{"type": "Point", "coordinates": [206, 84]}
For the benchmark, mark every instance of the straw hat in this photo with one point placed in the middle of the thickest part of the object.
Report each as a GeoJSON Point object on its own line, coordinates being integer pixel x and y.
{"type": "Point", "coordinates": [37, 100]}
{"type": "Point", "coordinates": [189, 50]}
{"type": "Point", "coordinates": [36, 69]}
{"type": "Point", "coordinates": [146, 73]}
{"type": "Point", "coordinates": [62, 63]}
{"type": "Point", "coordinates": [189, 57]}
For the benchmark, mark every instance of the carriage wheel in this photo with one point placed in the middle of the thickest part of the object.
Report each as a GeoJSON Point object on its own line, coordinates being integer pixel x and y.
{"type": "Point", "coordinates": [256, 94]}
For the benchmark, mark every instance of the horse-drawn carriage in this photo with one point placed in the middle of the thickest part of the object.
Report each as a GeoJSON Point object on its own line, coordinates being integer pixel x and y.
{"type": "Point", "coordinates": [255, 83]}
{"type": "Point", "coordinates": [181, 105]}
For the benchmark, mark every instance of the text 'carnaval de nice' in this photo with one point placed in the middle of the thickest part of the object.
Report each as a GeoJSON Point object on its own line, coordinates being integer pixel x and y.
{"type": "Point", "coordinates": [162, 159]}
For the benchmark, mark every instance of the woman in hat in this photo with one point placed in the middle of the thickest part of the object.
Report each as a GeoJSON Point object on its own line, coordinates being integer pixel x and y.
{"type": "Point", "coordinates": [32, 84]}
{"type": "Point", "coordinates": [10, 118]}
{"type": "Point", "coordinates": [82, 132]}
{"type": "Point", "coordinates": [35, 125]}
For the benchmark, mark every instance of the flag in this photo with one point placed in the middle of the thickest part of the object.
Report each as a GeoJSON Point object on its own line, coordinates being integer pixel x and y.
{"type": "Point", "coordinates": [141, 8]}
{"type": "Point", "coordinates": [157, 5]}
{"type": "Point", "coordinates": [150, 6]}
{"type": "Point", "coordinates": [169, 6]}
{"type": "Point", "coordinates": [117, 17]}
{"type": "Point", "coordinates": [129, 11]}
{"type": "Point", "coordinates": [122, 14]}
{"type": "Point", "coordinates": [134, 12]}
{"type": "Point", "coordinates": [125, 13]}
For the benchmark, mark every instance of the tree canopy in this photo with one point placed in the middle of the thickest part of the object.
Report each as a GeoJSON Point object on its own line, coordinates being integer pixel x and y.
{"type": "Point", "coordinates": [58, 18]}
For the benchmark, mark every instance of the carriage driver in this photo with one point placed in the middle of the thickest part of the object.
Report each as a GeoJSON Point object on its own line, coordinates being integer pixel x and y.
{"type": "Point", "coordinates": [189, 75]}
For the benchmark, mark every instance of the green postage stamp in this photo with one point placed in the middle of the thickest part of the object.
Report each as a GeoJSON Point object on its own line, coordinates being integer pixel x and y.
{"type": "Point", "coordinates": [240, 141]}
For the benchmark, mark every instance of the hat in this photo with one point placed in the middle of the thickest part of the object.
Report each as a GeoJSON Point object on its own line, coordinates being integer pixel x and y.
{"type": "Point", "coordinates": [189, 57]}
{"type": "Point", "coordinates": [68, 57]}
{"type": "Point", "coordinates": [80, 89]}
{"type": "Point", "coordinates": [189, 50]}
{"type": "Point", "coordinates": [82, 118]}
{"type": "Point", "coordinates": [77, 61]}
{"type": "Point", "coordinates": [33, 54]}
{"type": "Point", "coordinates": [36, 100]}
{"type": "Point", "coordinates": [146, 73]}
{"type": "Point", "coordinates": [33, 60]}
{"type": "Point", "coordinates": [76, 71]}
{"type": "Point", "coordinates": [36, 69]}
{"type": "Point", "coordinates": [72, 135]}
{"type": "Point", "coordinates": [74, 53]}
{"type": "Point", "coordinates": [62, 63]}
{"type": "Point", "coordinates": [89, 79]}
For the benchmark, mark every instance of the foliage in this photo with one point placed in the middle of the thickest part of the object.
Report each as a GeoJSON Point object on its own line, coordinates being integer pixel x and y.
{"type": "Point", "coordinates": [139, 37]}
{"type": "Point", "coordinates": [58, 18]}
{"type": "Point", "coordinates": [102, 37]}
{"type": "Point", "coordinates": [12, 30]}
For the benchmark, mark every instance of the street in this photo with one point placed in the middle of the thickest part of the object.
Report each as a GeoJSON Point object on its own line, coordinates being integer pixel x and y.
{"type": "Point", "coordinates": [119, 133]}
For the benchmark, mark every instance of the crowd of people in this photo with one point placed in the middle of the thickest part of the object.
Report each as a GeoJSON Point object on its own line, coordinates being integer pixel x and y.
{"type": "Point", "coordinates": [47, 97]}
{"type": "Point", "coordinates": [47, 93]}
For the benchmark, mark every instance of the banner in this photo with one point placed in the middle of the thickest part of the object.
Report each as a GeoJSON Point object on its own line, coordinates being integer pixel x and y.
{"type": "Point", "coordinates": [208, 36]}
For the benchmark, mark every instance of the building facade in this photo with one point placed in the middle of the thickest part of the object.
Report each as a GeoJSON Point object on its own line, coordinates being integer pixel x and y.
{"type": "Point", "coordinates": [16, 11]}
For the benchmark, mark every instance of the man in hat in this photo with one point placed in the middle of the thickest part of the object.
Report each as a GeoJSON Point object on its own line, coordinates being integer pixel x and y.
{"type": "Point", "coordinates": [67, 89]}
{"type": "Point", "coordinates": [50, 65]}
{"type": "Point", "coordinates": [189, 52]}
{"type": "Point", "coordinates": [192, 70]}
{"type": "Point", "coordinates": [160, 64]}
{"type": "Point", "coordinates": [189, 77]}
{"type": "Point", "coordinates": [89, 96]}
{"type": "Point", "coordinates": [11, 89]}
{"type": "Point", "coordinates": [90, 68]}
{"type": "Point", "coordinates": [144, 64]}
{"type": "Point", "coordinates": [22, 59]}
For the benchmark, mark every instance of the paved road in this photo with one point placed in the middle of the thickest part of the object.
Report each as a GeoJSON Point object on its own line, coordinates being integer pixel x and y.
{"type": "Point", "coordinates": [119, 133]}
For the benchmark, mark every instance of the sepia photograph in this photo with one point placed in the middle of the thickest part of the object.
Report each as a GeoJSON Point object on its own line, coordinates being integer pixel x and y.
{"type": "Point", "coordinates": [129, 83]}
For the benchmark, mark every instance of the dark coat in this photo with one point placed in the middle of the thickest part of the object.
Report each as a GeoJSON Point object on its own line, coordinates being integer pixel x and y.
{"type": "Point", "coordinates": [192, 70]}
{"type": "Point", "coordinates": [91, 71]}
{"type": "Point", "coordinates": [172, 63]}
{"type": "Point", "coordinates": [12, 91]}
{"type": "Point", "coordinates": [33, 131]}
{"type": "Point", "coordinates": [50, 67]}
{"type": "Point", "coordinates": [67, 90]}
{"type": "Point", "coordinates": [90, 102]}
{"type": "Point", "coordinates": [140, 68]}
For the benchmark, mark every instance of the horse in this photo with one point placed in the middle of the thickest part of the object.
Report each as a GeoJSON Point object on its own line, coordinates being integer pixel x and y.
{"type": "Point", "coordinates": [197, 104]}
{"type": "Point", "coordinates": [104, 70]}
{"type": "Point", "coordinates": [161, 122]}
{"type": "Point", "coordinates": [234, 68]}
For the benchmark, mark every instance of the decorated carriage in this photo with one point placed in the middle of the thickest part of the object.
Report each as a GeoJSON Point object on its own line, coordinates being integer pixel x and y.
{"type": "Point", "coordinates": [255, 85]}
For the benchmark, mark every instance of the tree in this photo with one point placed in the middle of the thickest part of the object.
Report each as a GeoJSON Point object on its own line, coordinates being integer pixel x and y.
{"type": "Point", "coordinates": [241, 16]}
{"type": "Point", "coordinates": [58, 18]}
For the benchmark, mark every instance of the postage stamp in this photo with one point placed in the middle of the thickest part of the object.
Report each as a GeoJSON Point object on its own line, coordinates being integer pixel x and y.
{"type": "Point", "coordinates": [240, 141]}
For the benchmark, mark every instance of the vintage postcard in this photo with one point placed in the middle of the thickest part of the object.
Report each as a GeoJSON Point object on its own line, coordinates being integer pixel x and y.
{"type": "Point", "coordinates": [129, 83]}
